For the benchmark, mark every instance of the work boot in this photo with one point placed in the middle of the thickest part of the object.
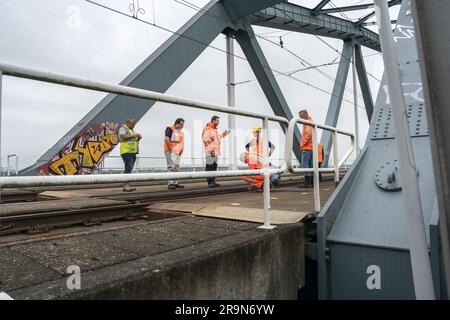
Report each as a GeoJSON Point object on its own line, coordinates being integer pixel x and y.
{"type": "Point", "coordinates": [179, 186]}
{"type": "Point", "coordinates": [304, 184]}
{"type": "Point", "coordinates": [211, 185]}
{"type": "Point", "coordinates": [309, 181]}
{"type": "Point", "coordinates": [171, 187]}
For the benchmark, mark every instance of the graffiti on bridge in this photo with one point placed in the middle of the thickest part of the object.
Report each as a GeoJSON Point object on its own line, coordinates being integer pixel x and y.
{"type": "Point", "coordinates": [83, 153]}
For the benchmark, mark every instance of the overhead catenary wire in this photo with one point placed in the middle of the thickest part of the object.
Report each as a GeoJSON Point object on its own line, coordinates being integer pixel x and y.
{"type": "Point", "coordinates": [340, 12]}
{"type": "Point", "coordinates": [345, 16]}
{"type": "Point", "coordinates": [333, 62]}
{"type": "Point", "coordinates": [340, 53]}
{"type": "Point", "coordinates": [216, 48]}
{"type": "Point", "coordinates": [307, 64]}
{"type": "Point", "coordinates": [199, 9]}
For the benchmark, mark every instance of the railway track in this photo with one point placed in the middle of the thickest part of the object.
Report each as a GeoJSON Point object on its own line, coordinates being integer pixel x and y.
{"type": "Point", "coordinates": [8, 196]}
{"type": "Point", "coordinates": [13, 196]}
{"type": "Point", "coordinates": [130, 206]}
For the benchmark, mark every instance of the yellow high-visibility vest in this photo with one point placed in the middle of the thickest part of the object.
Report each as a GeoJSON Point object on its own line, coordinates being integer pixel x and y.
{"type": "Point", "coordinates": [129, 146]}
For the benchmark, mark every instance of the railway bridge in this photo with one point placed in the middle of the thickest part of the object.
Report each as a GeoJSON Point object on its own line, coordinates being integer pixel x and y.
{"type": "Point", "coordinates": [375, 230]}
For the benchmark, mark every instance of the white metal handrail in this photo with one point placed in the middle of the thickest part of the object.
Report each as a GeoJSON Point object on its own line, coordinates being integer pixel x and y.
{"type": "Point", "coordinates": [27, 73]}
{"type": "Point", "coordinates": [337, 164]}
{"type": "Point", "coordinates": [33, 74]}
{"type": "Point", "coordinates": [8, 164]}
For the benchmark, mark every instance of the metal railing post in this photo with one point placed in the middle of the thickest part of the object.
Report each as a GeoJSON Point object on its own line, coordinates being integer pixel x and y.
{"type": "Point", "coordinates": [355, 100]}
{"type": "Point", "coordinates": [1, 82]}
{"type": "Point", "coordinates": [8, 164]}
{"type": "Point", "coordinates": [418, 247]}
{"type": "Point", "coordinates": [316, 170]}
{"type": "Point", "coordinates": [335, 159]}
{"type": "Point", "coordinates": [266, 175]}
{"type": "Point", "coordinates": [138, 162]}
{"type": "Point", "coordinates": [17, 164]}
{"type": "Point", "coordinates": [231, 99]}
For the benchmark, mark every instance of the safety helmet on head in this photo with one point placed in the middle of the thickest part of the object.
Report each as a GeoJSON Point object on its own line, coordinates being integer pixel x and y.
{"type": "Point", "coordinates": [256, 128]}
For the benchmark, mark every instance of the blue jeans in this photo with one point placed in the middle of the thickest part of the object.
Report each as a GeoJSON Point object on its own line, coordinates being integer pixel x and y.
{"type": "Point", "coordinates": [307, 160]}
{"type": "Point", "coordinates": [129, 159]}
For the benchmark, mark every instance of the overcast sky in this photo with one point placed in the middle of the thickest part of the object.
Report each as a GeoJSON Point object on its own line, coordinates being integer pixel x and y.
{"type": "Point", "coordinates": [77, 38]}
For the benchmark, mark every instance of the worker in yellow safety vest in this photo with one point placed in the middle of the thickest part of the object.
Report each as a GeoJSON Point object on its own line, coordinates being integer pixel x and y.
{"type": "Point", "coordinates": [173, 149]}
{"type": "Point", "coordinates": [129, 147]}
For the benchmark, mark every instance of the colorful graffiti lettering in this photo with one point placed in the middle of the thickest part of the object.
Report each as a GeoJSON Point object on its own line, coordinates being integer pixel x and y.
{"type": "Point", "coordinates": [83, 153]}
{"type": "Point", "coordinates": [67, 164]}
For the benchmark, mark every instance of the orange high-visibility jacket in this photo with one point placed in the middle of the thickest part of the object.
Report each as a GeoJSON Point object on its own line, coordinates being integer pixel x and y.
{"type": "Point", "coordinates": [306, 143]}
{"type": "Point", "coordinates": [211, 140]}
{"type": "Point", "coordinates": [320, 151]}
{"type": "Point", "coordinates": [176, 141]}
{"type": "Point", "coordinates": [256, 145]}
{"type": "Point", "coordinates": [254, 162]}
{"type": "Point", "coordinates": [256, 150]}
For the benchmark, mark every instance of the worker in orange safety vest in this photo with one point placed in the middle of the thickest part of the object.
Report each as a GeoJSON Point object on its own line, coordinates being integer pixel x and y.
{"type": "Point", "coordinates": [173, 149]}
{"type": "Point", "coordinates": [306, 147]}
{"type": "Point", "coordinates": [320, 156]}
{"type": "Point", "coordinates": [211, 138]}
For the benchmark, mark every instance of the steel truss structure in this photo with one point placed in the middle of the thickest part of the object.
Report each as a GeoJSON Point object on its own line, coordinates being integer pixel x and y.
{"type": "Point", "coordinates": [362, 233]}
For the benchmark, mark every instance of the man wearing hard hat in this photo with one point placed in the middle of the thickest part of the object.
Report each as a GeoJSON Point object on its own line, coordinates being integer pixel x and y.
{"type": "Point", "coordinates": [254, 158]}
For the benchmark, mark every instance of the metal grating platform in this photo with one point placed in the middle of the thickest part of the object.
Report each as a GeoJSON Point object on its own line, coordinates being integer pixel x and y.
{"type": "Point", "coordinates": [176, 207]}
{"type": "Point", "coordinates": [231, 212]}
{"type": "Point", "coordinates": [251, 214]}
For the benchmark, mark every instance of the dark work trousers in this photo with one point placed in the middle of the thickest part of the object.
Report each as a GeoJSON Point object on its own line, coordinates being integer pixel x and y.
{"type": "Point", "coordinates": [211, 165]}
{"type": "Point", "coordinates": [307, 161]}
{"type": "Point", "coordinates": [129, 159]}
{"type": "Point", "coordinates": [320, 173]}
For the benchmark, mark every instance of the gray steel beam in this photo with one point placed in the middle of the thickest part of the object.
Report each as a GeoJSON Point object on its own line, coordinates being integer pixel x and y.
{"type": "Point", "coordinates": [374, 23]}
{"type": "Point", "coordinates": [255, 56]}
{"type": "Point", "coordinates": [433, 40]}
{"type": "Point", "coordinates": [291, 17]}
{"type": "Point", "coordinates": [414, 219]}
{"type": "Point", "coordinates": [364, 82]}
{"type": "Point", "coordinates": [322, 4]}
{"type": "Point", "coordinates": [238, 9]}
{"type": "Point", "coordinates": [336, 99]}
{"type": "Point", "coordinates": [370, 15]}
{"type": "Point", "coordinates": [157, 73]}
{"type": "Point", "coordinates": [348, 8]}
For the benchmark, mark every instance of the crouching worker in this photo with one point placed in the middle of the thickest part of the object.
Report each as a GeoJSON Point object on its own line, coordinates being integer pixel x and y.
{"type": "Point", "coordinates": [253, 157]}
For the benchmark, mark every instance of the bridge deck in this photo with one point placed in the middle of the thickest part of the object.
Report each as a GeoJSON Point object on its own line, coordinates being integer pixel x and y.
{"type": "Point", "coordinates": [210, 258]}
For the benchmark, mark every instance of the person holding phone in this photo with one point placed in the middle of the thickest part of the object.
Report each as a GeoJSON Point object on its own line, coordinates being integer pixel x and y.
{"type": "Point", "coordinates": [211, 141]}
{"type": "Point", "coordinates": [129, 147]}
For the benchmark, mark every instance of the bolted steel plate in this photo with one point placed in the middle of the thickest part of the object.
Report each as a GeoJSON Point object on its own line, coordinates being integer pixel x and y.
{"type": "Point", "coordinates": [387, 176]}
